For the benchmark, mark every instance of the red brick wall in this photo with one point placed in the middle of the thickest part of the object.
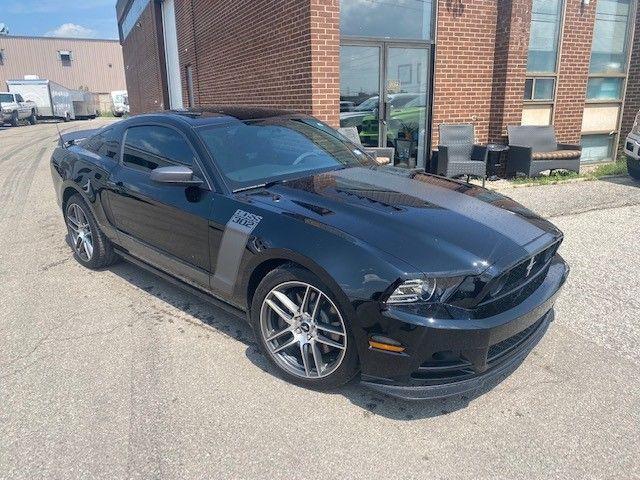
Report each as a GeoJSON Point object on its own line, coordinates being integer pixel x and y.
{"type": "Point", "coordinates": [325, 60]}
{"type": "Point", "coordinates": [465, 49]}
{"type": "Point", "coordinates": [632, 98]}
{"type": "Point", "coordinates": [573, 69]}
{"type": "Point", "coordinates": [274, 53]}
{"type": "Point", "coordinates": [510, 66]}
{"type": "Point", "coordinates": [144, 63]}
{"type": "Point", "coordinates": [186, 47]}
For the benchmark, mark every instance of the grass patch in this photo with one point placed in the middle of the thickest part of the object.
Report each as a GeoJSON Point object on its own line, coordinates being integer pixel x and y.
{"type": "Point", "coordinates": [619, 167]}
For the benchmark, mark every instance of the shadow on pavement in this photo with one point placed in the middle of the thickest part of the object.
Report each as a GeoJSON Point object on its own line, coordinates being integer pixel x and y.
{"type": "Point", "coordinates": [209, 316]}
{"type": "Point", "coordinates": [626, 180]}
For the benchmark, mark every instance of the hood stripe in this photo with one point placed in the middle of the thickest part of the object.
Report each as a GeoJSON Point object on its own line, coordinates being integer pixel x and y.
{"type": "Point", "coordinates": [503, 221]}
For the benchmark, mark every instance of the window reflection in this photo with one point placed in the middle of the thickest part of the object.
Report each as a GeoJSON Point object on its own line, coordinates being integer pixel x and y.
{"type": "Point", "coordinates": [610, 34]}
{"type": "Point", "coordinates": [407, 19]}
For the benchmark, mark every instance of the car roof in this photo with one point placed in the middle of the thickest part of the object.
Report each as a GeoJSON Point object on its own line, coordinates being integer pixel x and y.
{"type": "Point", "coordinates": [220, 114]}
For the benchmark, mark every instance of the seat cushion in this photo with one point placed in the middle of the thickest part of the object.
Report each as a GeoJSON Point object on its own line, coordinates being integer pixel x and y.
{"type": "Point", "coordinates": [556, 155]}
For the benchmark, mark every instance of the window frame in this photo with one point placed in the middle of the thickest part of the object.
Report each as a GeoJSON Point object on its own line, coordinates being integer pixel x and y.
{"type": "Point", "coordinates": [615, 135]}
{"type": "Point", "coordinates": [534, 75]}
{"type": "Point", "coordinates": [197, 167]}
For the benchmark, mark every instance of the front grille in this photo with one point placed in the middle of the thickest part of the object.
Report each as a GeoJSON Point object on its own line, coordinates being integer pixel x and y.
{"type": "Point", "coordinates": [447, 367]}
{"type": "Point", "coordinates": [518, 277]}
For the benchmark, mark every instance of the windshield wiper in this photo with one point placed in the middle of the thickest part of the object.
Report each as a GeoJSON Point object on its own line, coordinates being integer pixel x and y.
{"type": "Point", "coordinates": [259, 185]}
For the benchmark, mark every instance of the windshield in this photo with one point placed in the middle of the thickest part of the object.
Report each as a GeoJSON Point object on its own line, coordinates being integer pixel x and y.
{"type": "Point", "coordinates": [399, 101]}
{"type": "Point", "coordinates": [120, 99]}
{"type": "Point", "coordinates": [252, 153]}
{"type": "Point", "coordinates": [368, 104]}
{"type": "Point", "coordinates": [6, 98]}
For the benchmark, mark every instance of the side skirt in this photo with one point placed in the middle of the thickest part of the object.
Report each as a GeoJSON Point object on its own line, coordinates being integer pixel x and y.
{"type": "Point", "coordinates": [207, 297]}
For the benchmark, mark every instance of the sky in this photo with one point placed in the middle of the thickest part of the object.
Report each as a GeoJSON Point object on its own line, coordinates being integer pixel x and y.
{"type": "Point", "coordinates": [60, 18]}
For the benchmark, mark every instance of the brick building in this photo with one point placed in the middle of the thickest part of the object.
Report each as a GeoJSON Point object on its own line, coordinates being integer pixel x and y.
{"type": "Point", "coordinates": [492, 63]}
{"type": "Point", "coordinates": [91, 64]}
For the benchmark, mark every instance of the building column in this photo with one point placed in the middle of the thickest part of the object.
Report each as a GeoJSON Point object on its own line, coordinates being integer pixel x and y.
{"type": "Point", "coordinates": [325, 60]}
{"type": "Point", "coordinates": [513, 25]}
{"type": "Point", "coordinates": [573, 70]}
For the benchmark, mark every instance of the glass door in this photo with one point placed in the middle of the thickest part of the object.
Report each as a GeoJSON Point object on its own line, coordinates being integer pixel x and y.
{"type": "Point", "coordinates": [360, 85]}
{"type": "Point", "coordinates": [404, 110]}
{"type": "Point", "coordinates": [383, 94]}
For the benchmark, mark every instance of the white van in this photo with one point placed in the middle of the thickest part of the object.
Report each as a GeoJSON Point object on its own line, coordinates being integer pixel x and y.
{"type": "Point", "coordinates": [119, 103]}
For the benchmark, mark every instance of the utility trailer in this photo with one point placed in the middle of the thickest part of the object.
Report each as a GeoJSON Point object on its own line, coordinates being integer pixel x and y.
{"type": "Point", "coordinates": [54, 100]}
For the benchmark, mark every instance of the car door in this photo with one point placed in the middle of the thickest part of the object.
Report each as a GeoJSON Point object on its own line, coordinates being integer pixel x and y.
{"type": "Point", "coordinates": [165, 225]}
{"type": "Point", "coordinates": [23, 109]}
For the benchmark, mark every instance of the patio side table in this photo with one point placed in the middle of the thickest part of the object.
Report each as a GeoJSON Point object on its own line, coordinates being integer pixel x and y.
{"type": "Point", "coordinates": [496, 160]}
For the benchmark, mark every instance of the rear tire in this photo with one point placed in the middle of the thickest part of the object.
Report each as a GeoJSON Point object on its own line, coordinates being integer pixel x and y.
{"type": "Point", "coordinates": [92, 249]}
{"type": "Point", "coordinates": [14, 119]}
{"type": "Point", "coordinates": [322, 353]}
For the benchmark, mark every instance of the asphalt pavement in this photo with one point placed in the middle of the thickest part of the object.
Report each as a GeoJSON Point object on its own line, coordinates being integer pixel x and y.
{"type": "Point", "coordinates": [116, 374]}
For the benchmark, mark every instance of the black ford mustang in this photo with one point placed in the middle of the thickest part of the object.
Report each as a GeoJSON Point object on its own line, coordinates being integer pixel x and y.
{"type": "Point", "coordinates": [425, 286]}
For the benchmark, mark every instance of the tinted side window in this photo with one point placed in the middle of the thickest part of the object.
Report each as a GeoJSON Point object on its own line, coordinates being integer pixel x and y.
{"type": "Point", "coordinates": [19, 98]}
{"type": "Point", "coordinates": [149, 147]}
{"type": "Point", "coordinates": [106, 144]}
{"type": "Point", "coordinates": [93, 144]}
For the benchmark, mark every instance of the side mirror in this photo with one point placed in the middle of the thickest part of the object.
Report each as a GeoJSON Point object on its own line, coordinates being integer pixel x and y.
{"type": "Point", "coordinates": [175, 175]}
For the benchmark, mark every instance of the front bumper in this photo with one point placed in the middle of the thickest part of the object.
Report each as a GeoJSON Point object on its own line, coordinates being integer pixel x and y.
{"type": "Point", "coordinates": [632, 147]}
{"type": "Point", "coordinates": [446, 357]}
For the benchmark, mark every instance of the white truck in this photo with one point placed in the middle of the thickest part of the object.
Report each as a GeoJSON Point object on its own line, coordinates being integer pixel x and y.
{"type": "Point", "coordinates": [52, 99]}
{"type": "Point", "coordinates": [14, 108]}
{"type": "Point", "coordinates": [119, 103]}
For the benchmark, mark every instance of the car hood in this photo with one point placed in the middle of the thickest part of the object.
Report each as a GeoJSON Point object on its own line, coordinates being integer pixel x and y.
{"type": "Point", "coordinates": [432, 223]}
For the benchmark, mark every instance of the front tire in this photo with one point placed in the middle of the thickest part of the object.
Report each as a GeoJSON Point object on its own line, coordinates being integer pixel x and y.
{"type": "Point", "coordinates": [91, 247]}
{"type": "Point", "coordinates": [33, 119]}
{"type": "Point", "coordinates": [303, 330]}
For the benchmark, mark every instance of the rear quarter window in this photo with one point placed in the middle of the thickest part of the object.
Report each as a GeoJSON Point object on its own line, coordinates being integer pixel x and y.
{"type": "Point", "coordinates": [105, 143]}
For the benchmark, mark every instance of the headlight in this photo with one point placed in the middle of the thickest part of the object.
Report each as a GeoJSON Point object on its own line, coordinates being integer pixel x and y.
{"type": "Point", "coordinates": [424, 290]}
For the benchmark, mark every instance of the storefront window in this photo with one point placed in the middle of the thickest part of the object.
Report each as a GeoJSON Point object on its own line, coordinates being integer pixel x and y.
{"type": "Point", "coordinates": [607, 72]}
{"type": "Point", "coordinates": [543, 39]}
{"type": "Point", "coordinates": [604, 89]}
{"type": "Point", "coordinates": [542, 61]}
{"type": "Point", "coordinates": [610, 36]}
{"type": "Point", "coordinates": [397, 19]}
{"type": "Point", "coordinates": [596, 148]}
{"type": "Point", "coordinates": [539, 88]}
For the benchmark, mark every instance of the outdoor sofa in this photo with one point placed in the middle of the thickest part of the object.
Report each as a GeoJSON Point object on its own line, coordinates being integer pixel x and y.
{"type": "Point", "coordinates": [534, 149]}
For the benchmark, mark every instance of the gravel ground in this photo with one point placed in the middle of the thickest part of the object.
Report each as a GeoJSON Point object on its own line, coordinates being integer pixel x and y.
{"type": "Point", "coordinates": [116, 374]}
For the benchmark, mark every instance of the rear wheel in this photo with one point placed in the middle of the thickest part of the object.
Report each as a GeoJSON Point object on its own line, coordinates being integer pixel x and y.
{"type": "Point", "coordinates": [92, 249]}
{"type": "Point", "coordinates": [303, 330]}
{"type": "Point", "coordinates": [14, 119]}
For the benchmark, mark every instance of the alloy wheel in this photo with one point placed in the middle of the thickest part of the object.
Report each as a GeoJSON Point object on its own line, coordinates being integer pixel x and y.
{"type": "Point", "coordinates": [303, 330]}
{"type": "Point", "coordinates": [80, 231]}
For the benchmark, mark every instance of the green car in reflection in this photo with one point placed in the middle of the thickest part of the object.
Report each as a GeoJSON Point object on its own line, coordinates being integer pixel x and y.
{"type": "Point", "coordinates": [404, 123]}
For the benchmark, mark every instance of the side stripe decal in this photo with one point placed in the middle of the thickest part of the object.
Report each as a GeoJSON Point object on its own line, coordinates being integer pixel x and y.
{"type": "Point", "coordinates": [234, 241]}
